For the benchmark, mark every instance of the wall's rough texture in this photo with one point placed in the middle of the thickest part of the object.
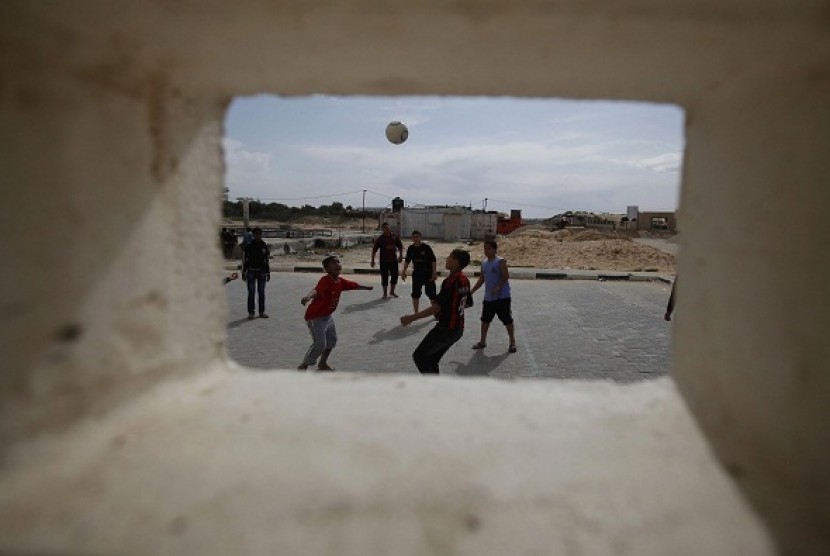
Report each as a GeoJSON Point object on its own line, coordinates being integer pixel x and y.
{"type": "Point", "coordinates": [752, 353]}
{"type": "Point", "coordinates": [111, 118]}
{"type": "Point", "coordinates": [110, 197]}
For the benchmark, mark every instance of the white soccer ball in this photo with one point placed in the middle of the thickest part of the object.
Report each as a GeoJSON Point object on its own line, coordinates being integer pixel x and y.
{"type": "Point", "coordinates": [396, 132]}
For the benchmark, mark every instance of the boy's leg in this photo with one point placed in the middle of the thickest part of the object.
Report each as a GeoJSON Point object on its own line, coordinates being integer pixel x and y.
{"type": "Point", "coordinates": [317, 329]}
{"type": "Point", "coordinates": [261, 292]}
{"type": "Point", "coordinates": [393, 278]}
{"type": "Point", "coordinates": [251, 283]}
{"type": "Point", "coordinates": [429, 289]}
{"type": "Point", "coordinates": [432, 348]}
{"type": "Point", "coordinates": [488, 311]}
{"type": "Point", "coordinates": [505, 315]}
{"type": "Point", "coordinates": [485, 326]}
{"type": "Point", "coordinates": [384, 278]}
{"type": "Point", "coordinates": [416, 292]}
{"type": "Point", "coordinates": [330, 333]}
{"type": "Point", "coordinates": [324, 358]}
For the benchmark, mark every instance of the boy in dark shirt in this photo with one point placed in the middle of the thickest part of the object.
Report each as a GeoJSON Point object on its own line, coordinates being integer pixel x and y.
{"type": "Point", "coordinates": [424, 270]}
{"type": "Point", "coordinates": [391, 253]}
{"type": "Point", "coordinates": [256, 271]}
{"type": "Point", "coordinates": [449, 306]}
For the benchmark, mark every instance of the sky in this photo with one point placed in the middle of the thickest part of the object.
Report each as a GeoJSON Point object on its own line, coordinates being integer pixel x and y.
{"type": "Point", "coordinates": [542, 156]}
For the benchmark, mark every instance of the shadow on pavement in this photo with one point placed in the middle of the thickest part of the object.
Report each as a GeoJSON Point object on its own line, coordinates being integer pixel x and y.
{"type": "Point", "coordinates": [397, 333]}
{"type": "Point", "coordinates": [364, 306]}
{"type": "Point", "coordinates": [480, 364]}
{"type": "Point", "coordinates": [237, 322]}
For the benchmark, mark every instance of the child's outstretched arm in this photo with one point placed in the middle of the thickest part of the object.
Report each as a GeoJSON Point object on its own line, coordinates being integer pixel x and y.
{"type": "Point", "coordinates": [309, 296]}
{"type": "Point", "coordinates": [430, 311]}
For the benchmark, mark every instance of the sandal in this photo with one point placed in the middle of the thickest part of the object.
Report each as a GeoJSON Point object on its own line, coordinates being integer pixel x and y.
{"type": "Point", "coordinates": [479, 345]}
{"type": "Point", "coordinates": [512, 348]}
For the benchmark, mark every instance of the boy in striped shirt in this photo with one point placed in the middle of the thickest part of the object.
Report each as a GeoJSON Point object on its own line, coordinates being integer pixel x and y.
{"type": "Point", "coordinates": [449, 307]}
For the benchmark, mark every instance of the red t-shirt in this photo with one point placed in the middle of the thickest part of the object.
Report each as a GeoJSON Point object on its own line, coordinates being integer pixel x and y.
{"type": "Point", "coordinates": [328, 296]}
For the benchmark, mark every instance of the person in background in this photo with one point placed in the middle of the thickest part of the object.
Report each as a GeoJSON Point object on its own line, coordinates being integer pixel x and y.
{"type": "Point", "coordinates": [256, 271]}
{"type": "Point", "coordinates": [424, 269]}
{"type": "Point", "coordinates": [391, 253]}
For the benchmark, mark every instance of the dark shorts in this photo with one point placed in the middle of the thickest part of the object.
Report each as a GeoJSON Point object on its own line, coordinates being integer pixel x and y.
{"type": "Point", "coordinates": [497, 307]}
{"type": "Point", "coordinates": [423, 281]}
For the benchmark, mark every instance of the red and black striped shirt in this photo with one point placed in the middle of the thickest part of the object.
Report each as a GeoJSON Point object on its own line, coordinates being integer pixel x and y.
{"type": "Point", "coordinates": [452, 298]}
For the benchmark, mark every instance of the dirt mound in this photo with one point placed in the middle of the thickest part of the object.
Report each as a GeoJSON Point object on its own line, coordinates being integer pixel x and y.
{"type": "Point", "coordinates": [565, 234]}
{"type": "Point", "coordinates": [581, 252]}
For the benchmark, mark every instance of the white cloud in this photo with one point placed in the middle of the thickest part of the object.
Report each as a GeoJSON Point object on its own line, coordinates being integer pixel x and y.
{"type": "Point", "coordinates": [245, 168]}
{"type": "Point", "coordinates": [668, 162]}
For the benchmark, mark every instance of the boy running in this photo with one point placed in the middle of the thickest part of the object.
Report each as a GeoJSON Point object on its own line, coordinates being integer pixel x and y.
{"type": "Point", "coordinates": [424, 269]}
{"type": "Point", "coordinates": [449, 306]}
{"type": "Point", "coordinates": [324, 299]}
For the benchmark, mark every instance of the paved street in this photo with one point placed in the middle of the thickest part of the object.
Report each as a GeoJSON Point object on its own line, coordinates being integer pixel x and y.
{"type": "Point", "coordinates": [569, 329]}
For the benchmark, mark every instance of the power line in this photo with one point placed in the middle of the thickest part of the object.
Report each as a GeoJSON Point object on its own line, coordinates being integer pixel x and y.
{"type": "Point", "coordinates": [526, 205]}
{"type": "Point", "coordinates": [310, 197]}
{"type": "Point", "coordinates": [378, 194]}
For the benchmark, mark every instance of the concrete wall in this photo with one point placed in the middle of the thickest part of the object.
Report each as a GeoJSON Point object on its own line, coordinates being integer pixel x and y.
{"type": "Point", "coordinates": [111, 116]}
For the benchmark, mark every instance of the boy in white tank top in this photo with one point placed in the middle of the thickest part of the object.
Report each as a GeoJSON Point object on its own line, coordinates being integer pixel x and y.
{"type": "Point", "coordinates": [496, 280]}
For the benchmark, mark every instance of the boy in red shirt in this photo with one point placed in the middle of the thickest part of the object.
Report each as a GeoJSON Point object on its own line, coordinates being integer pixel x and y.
{"type": "Point", "coordinates": [324, 299]}
{"type": "Point", "coordinates": [449, 306]}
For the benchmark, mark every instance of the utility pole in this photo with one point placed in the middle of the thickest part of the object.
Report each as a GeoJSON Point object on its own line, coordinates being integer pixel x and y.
{"type": "Point", "coordinates": [245, 212]}
{"type": "Point", "coordinates": [364, 211]}
{"type": "Point", "coordinates": [485, 204]}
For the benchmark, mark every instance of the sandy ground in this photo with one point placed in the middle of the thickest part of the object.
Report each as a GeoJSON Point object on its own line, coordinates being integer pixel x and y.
{"type": "Point", "coordinates": [532, 246]}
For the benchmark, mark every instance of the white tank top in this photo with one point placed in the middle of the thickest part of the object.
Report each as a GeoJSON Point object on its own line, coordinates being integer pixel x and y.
{"type": "Point", "coordinates": [491, 270]}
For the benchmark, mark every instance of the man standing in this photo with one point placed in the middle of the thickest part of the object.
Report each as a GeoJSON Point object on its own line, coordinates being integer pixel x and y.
{"type": "Point", "coordinates": [448, 306]}
{"type": "Point", "coordinates": [424, 269]}
{"type": "Point", "coordinates": [391, 253]}
{"type": "Point", "coordinates": [496, 279]}
{"type": "Point", "coordinates": [256, 271]}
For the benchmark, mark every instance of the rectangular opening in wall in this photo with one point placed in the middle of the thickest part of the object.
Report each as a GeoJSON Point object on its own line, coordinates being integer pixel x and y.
{"type": "Point", "coordinates": [557, 183]}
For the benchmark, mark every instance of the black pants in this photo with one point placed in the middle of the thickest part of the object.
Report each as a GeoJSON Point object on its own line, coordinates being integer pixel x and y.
{"type": "Point", "coordinates": [388, 273]}
{"type": "Point", "coordinates": [433, 347]}
{"type": "Point", "coordinates": [256, 283]}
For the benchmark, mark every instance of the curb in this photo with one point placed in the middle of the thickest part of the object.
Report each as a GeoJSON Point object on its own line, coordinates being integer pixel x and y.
{"type": "Point", "coordinates": [519, 273]}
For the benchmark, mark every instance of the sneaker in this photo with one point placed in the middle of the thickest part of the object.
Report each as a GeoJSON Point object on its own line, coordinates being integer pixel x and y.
{"type": "Point", "coordinates": [479, 345]}
{"type": "Point", "coordinates": [324, 367]}
{"type": "Point", "coordinates": [302, 367]}
{"type": "Point", "coordinates": [250, 316]}
{"type": "Point", "coordinates": [263, 315]}
{"type": "Point", "coordinates": [512, 349]}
